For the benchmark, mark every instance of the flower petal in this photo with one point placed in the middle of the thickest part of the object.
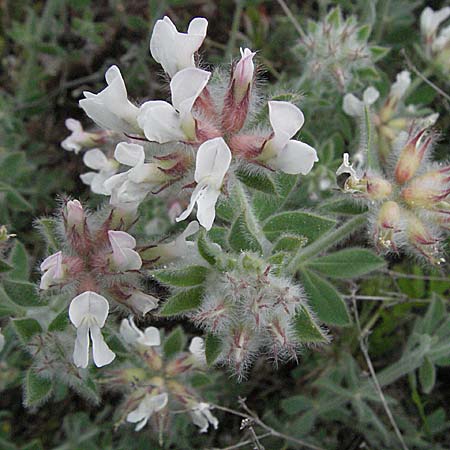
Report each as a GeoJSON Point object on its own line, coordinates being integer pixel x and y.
{"type": "Point", "coordinates": [129, 331]}
{"type": "Point", "coordinates": [102, 354]}
{"type": "Point", "coordinates": [352, 105]}
{"type": "Point", "coordinates": [96, 159]}
{"type": "Point", "coordinates": [206, 207]}
{"type": "Point", "coordinates": [129, 154]}
{"type": "Point", "coordinates": [150, 338]}
{"type": "Point", "coordinates": [89, 304]}
{"type": "Point", "coordinates": [81, 348]}
{"type": "Point", "coordinates": [286, 119]}
{"type": "Point", "coordinates": [296, 157]}
{"type": "Point", "coordinates": [212, 161]}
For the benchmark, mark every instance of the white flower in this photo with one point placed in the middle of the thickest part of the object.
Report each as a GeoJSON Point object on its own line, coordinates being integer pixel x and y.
{"type": "Point", "coordinates": [243, 74]}
{"type": "Point", "coordinates": [354, 107]}
{"type": "Point", "coordinates": [430, 21]}
{"type": "Point", "coordinates": [175, 50]}
{"type": "Point", "coordinates": [197, 348]}
{"type": "Point", "coordinates": [111, 108]}
{"type": "Point", "coordinates": [124, 257]}
{"type": "Point", "coordinates": [131, 334]}
{"type": "Point", "coordinates": [149, 405]}
{"type": "Point", "coordinates": [88, 312]}
{"type": "Point", "coordinates": [282, 153]}
{"type": "Point", "coordinates": [401, 85]}
{"type": "Point", "coordinates": [53, 271]}
{"type": "Point", "coordinates": [134, 184]}
{"type": "Point", "coordinates": [163, 122]}
{"type": "Point", "coordinates": [75, 213]}
{"type": "Point", "coordinates": [96, 159]}
{"type": "Point", "coordinates": [202, 417]}
{"type": "Point", "coordinates": [141, 302]}
{"type": "Point", "coordinates": [2, 340]}
{"type": "Point", "coordinates": [211, 165]}
{"type": "Point", "coordinates": [442, 40]}
{"type": "Point", "coordinates": [78, 139]}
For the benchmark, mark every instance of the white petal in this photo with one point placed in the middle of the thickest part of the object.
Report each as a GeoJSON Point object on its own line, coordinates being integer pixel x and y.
{"type": "Point", "coordinates": [114, 182]}
{"type": "Point", "coordinates": [2, 340]}
{"type": "Point", "coordinates": [296, 157]}
{"type": "Point", "coordinates": [102, 354]}
{"type": "Point", "coordinates": [212, 161]}
{"type": "Point", "coordinates": [81, 348]}
{"type": "Point", "coordinates": [143, 302]}
{"type": "Point", "coordinates": [370, 95]}
{"type": "Point", "coordinates": [96, 159]}
{"type": "Point", "coordinates": [47, 279]}
{"type": "Point", "coordinates": [160, 122]}
{"type": "Point", "coordinates": [88, 177]}
{"type": "Point", "coordinates": [159, 402]}
{"type": "Point", "coordinates": [186, 86]}
{"type": "Point", "coordinates": [73, 125]}
{"type": "Point", "coordinates": [129, 154]}
{"type": "Point", "coordinates": [150, 338]}
{"type": "Point", "coordinates": [121, 239]}
{"type": "Point", "coordinates": [89, 304]}
{"type": "Point", "coordinates": [51, 261]}
{"type": "Point", "coordinates": [194, 197]}
{"type": "Point", "coordinates": [206, 207]}
{"type": "Point", "coordinates": [129, 332]}
{"type": "Point", "coordinates": [190, 230]}
{"type": "Point", "coordinates": [402, 83]}
{"type": "Point", "coordinates": [98, 183]}
{"type": "Point", "coordinates": [124, 257]}
{"type": "Point", "coordinates": [286, 119]}
{"type": "Point", "coordinates": [197, 348]}
{"type": "Point", "coordinates": [352, 106]}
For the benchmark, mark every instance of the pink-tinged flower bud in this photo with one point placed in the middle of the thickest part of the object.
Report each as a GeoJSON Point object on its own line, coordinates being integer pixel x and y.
{"type": "Point", "coordinates": [429, 190]}
{"type": "Point", "coordinates": [74, 214]}
{"type": "Point", "coordinates": [377, 188]}
{"type": "Point", "coordinates": [412, 155]}
{"type": "Point", "coordinates": [423, 240]}
{"type": "Point", "coordinates": [142, 303]}
{"type": "Point", "coordinates": [237, 98]}
{"type": "Point", "coordinates": [387, 224]}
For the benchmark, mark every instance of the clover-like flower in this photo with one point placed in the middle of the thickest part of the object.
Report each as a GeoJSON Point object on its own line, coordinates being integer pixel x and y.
{"type": "Point", "coordinates": [163, 122]}
{"type": "Point", "coordinates": [147, 407]}
{"type": "Point", "coordinates": [53, 271]}
{"type": "Point", "coordinates": [212, 163]}
{"type": "Point", "coordinates": [111, 108]}
{"type": "Point", "coordinates": [106, 167]}
{"type": "Point", "coordinates": [354, 107]}
{"type": "Point", "coordinates": [88, 312]}
{"type": "Point", "coordinates": [202, 417]}
{"type": "Point", "coordinates": [175, 50]}
{"type": "Point", "coordinates": [281, 152]}
{"type": "Point", "coordinates": [123, 256]}
{"type": "Point", "coordinates": [131, 334]}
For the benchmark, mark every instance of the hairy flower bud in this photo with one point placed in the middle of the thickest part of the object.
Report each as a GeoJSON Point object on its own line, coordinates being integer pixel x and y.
{"type": "Point", "coordinates": [387, 224]}
{"type": "Point", "coordinates": [74, 214]}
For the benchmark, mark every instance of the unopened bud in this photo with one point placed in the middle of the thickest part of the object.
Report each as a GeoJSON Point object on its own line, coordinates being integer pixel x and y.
{"type": "Point", "coordinates": [74, 214]}
{"type": "Point", "coordinates": [141, 302]}
{"type": "Point", "coordinates": [412, 155]}
{"type": "Point", "coordinates": [377, 188]}
{"type": "Point", "coordinates": [243, 75]}
{"type": "Point", "coordinates": [388, 223]}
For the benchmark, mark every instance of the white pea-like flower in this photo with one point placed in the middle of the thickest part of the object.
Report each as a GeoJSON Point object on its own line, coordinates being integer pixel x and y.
{"type": "Point", "coordinates": [131, 334]}
{"type": "Point", "coordinates": [124, 257]}
{"type": "Point", "coordinates": [401, 85]}
{"type": "Point", "coordinates": [78, 138]}
{"type": "Point", "coordinates": [53, 271]}
{"type": "Point", "coordinates": [95, 159]}
{"type": "Point", "coordinates": [211, 165]}
{"type": "Point", "coordinates": [110, 108]}
{"type": "Point", "coordinates": [197, 348]}
{"type": "Point", "coordinates": [202, 417]}
{"type": "Point", "coordinates": [175, 50]}
{"type": "Point", "coordinates": [163, 122]}
{"type": "Point", "coordinates": [147, 407]}
{"type": "Point", "coordinates": [354, 107]}
{"type": "Point", "coordinates": [281, 152]}
{"type": "Point", "coordinates": [430, 21]}
{"type": "Point", "coordinates": [88, 312]}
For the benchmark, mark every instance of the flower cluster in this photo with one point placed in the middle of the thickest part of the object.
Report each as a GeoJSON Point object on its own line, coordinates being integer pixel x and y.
{"type": "Point", "coordinates": [334, 49]}
{"type": "Point", "coordinates": [391, 117]}
{"type": "Point", "coordinates": [437, 44]}
{"type": "Point", "coordinates": [250, 310]}
{"type": "Point", "coordinates": [156, 383]}
{"type": "Point", "coordinates": [409, 201]}
{"type": "Point", "coordinates": [94, 261]}
{"type": "Point", "coordinates": [205, 130]}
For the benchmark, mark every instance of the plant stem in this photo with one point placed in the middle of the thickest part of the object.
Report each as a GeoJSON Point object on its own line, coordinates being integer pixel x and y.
{"type": "Point", "coordinates": [234, 29]}
{"type": "Point", "coordinates": [326, 241]}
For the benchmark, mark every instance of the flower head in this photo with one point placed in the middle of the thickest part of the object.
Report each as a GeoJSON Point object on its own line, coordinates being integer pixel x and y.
{"type": "Point", "coordinates": [131, 334]}
{"type": "Point", "coordinates": [175, 50]}
{"type": "Point", "coordinates": [280, 151]}
{"type": "Point", "coordinates": [202, 417]}
{"type": "Point", "coordinates": [430, 21]}
{"type": "Point", "coordinates": [163, 122]}
{"type": "Point", "coordinates": [88, 312]}
{"type": "Point", "coordinates": [212, 163]}
{"type": "Point", "coordinates": [147, 407]}
{"type": "Point", "coordinates": [111, 108]}
{"type": "Point", "coordinates": [53, 270]}
{"type": "Point", "coordinates": [123, 256]}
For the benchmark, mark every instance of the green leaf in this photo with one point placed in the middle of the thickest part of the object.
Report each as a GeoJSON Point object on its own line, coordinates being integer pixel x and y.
{"type": "Point", "coordinates": [15, 198]}
{"type": "Point", "coordinates": [35, 444]}
{"type": "Point", "coordinates": [175, 342]}
{"type": "Point", "coordinates": [363, 32]}
{"type": "Point", "coordinates": [427, 375]}
{"type": "Point", "coordinates": [60, 322]}
{"type": "Point", "coordinates": [213, 348]}
{"type": "Point", "coordinates": [22, 292]}
{"type": "Point", "coordinates": [4, 266]}
{"type": "Point", "coordinates": [240, 237]}
{"type": "Point", "coordinates": [11, 165]}
{"type": "Point", "coordinates": [208, 250]}
{"type": "Point", "coordinates": [348, 263]}
{"type": "Point", "coordinates": [289, 243]}
{"type": "Point", "coordinates": [378, 52]}
{"type": "Point", "coordinates": [434, 315]}
{"type": "Point", "coordinates": [309, 225]}
{"type": "Point", "coordinates": [183, 301]}
{"type": "Point", "coordinates": [19, 259]}
{"type": "Point", "coordinates": [36, 390]}
{"type": "Point", "coordinates": [184, 277]}
{"type": "Point", "coordinates": [48, 226]}
{"type": "Point", "coordinates": [259, 181]}
{"type": "Point", "coordinates": [26, 328]}
{"type": "Point", "coordinates": [325, 300]}
{"type": "Point", "coordinates": [307, 330]}
{"type": "Point", "coordinates": [345, 207]}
